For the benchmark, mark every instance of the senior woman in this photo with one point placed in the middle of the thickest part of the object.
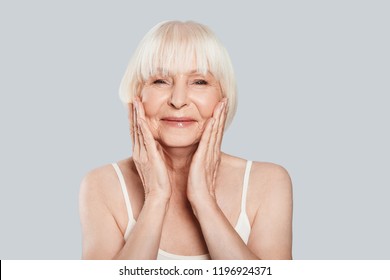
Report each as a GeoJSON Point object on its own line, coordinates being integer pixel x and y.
{"type": "Point", "coordinates": [179, 196]}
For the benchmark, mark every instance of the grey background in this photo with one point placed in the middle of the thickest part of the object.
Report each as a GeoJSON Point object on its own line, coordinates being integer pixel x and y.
{"type": "Point", "coordinates": [313, 79]}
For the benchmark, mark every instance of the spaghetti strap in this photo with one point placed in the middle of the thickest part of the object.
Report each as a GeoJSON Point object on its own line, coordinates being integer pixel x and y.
{"type": "Point", "coordinates": [245, 185]}
{"type": "Point", "coordinates": [243, 226]}
{"type": "Point", "coordinates": [124, 191]}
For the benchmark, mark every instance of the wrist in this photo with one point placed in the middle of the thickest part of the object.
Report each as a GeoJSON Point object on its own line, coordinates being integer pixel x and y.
{"type": "Point", "coordinates": [158, 195]}
{"type": "Point", "coordinates": [198, 195]}
{"type": "Point", "coordinates": [203, 204]}
{"type": "Point", "coordinates": [156, 201]}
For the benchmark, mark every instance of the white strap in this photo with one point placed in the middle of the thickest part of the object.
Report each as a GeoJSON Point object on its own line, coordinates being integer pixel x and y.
{"type": "Point", "coordinates": [124, 191]}
{"type": "Point", "coordinates": [245, 185]}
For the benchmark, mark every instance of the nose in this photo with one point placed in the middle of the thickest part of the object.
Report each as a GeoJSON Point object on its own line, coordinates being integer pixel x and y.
{"type": "Point", "coordinates": [179, 96]}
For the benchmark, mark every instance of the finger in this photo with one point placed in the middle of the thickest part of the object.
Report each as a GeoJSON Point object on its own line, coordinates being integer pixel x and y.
{"type": "Point", "coordinates": [217, 115]}
{"type": "Point", "coordinates": [216, 172]}
{"type": "Point", "coordinates": [140, 108]}
{"type": "Point", "coordinates": [142, 148]}
{"type": "Point", "coordinates": [147, 136]}
{"type": "Point", "coordinates": [135, 129]}
{"type": "Point", "coordinates": [131, 121]}
{"type": "Point", "coordinates": [221, 126]}
{"type": "Point", "coordinates": [205, 139]}
{"type": "Point", "coordinates": [159, 149]}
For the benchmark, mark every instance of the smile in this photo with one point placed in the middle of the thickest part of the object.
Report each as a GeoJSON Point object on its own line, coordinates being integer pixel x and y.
{"type": "Point", "coordinates": [178, 122]}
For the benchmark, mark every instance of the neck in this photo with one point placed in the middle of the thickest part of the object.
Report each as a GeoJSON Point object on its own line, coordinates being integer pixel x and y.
{"type": "Point", "coordinates": [178, 161]}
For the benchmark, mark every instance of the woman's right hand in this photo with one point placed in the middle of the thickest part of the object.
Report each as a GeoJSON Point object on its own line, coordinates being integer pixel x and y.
{"type": "Point", "coordinates": [147, 155]}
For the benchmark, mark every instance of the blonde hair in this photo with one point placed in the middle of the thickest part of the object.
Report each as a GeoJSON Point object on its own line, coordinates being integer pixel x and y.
{"type": "Point", "coordinates": [172, 47]}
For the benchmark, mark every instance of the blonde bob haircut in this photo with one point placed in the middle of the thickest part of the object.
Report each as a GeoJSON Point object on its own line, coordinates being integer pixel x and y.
{"type": "Point", "coordinates": [172, 47]}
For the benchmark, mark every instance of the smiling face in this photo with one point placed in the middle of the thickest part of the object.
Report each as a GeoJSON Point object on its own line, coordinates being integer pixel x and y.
{"type": "Point", "coordinates": [177, 106]}
{"type": "Point", "coordinates": [174, 47]}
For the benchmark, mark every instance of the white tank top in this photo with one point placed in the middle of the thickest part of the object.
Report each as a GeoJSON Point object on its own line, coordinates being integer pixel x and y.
{"type": "Point", "coordinates": [242, 227]}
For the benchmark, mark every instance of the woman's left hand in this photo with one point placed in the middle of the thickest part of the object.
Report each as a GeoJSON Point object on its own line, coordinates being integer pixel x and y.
{"type": "Point", "coordinates": [205, 162]}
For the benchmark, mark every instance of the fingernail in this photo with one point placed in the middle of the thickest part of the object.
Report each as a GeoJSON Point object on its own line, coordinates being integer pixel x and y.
{"type": "Point", "coordinates": [212, 121]}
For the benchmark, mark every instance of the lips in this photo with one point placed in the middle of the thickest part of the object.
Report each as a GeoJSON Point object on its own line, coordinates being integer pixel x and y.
{"type": "Point", "coordinates": [178, 122]}
{"type": "Point", "coordinates": [178, 119]}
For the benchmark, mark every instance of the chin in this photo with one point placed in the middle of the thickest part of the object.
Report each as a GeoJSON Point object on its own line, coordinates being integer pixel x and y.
{"type": "Point", "coordinates": [179, 140]}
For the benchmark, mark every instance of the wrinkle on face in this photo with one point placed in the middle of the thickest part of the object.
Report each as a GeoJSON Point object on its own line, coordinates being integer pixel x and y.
{"type": "Point", "coordinates": [200, 101]}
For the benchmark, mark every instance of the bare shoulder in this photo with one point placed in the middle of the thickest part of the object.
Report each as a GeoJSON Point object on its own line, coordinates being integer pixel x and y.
{"type": "Point", "coordinates": [99, 200]}
{"type": "Point", "coordinates": [263, 175]}
{"type": "Point", "coordinates": [103, 182]}
{"type": "Point", "coordinates": [268, 176]}
{"type": "Point", "coordinates": [270, 211]}
{"type": "Point", "coordinates": [270, 187]}
{"type": "Point", "coordinates": [101, 188]}
{"type": "Point", "coordinates": [96, 183]}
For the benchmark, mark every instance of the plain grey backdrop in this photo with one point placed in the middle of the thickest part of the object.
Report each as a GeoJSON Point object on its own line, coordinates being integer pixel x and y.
{"type": "Point", "coordinates": [313, 80]}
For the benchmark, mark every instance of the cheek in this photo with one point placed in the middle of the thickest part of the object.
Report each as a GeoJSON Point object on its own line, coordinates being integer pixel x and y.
{"type": "Point", "coordinates": [151, 102]}
{"type": "Point", "coordinates": [206, 104]}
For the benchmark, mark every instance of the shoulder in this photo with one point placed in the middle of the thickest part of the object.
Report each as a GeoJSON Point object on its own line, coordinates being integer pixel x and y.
{"type": "Point", "coordinates": [264, 177]}
{"type": "Point", "coordinates": [269, 184]}
{"type": "Point", "coordinates": [99, 205]}
{"type": "Point", "coordinates": [262, 174]}
{"type": "Point", "coordinates": [102, 180]}
{"type": "Point", "coordinates": [101, 188]}
{"type": "Point", "coordinates": [96, 182]}
{"type": "Point", "coordinates": [268, 178]}
{"type": "Point", "coordinates": [270, 209]}
{"type": "Point", "coordinates": [270, 174]}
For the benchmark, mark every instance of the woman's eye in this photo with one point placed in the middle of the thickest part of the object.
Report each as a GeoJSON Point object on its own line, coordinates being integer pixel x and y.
{"type": "Point", "coordinates": [159, 81]}
{"type": "Point", "coordinates": [200, 82]}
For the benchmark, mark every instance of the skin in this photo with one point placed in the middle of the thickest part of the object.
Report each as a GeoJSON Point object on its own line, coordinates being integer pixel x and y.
{"type": "Point", "coordinates": [184, 190]}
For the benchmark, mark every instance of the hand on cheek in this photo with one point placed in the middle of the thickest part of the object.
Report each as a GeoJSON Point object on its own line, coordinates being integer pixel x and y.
{"type": "Point", "coordinates": [147, 155]}
{"type": "Point", "coordinates": [205, 162]}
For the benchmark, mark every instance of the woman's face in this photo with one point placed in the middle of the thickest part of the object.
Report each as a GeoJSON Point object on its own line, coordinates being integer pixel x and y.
{"type": "Point", "coordinates": [178, 106]}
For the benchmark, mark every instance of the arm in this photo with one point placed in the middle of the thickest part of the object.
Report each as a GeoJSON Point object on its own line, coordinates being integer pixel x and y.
{"type": "Point", "coordinates": [102, 238]}
{"type": "Point", "coordinates": [271, 233]}
{"type": "Point", "coordinates": [271, 230]}
{"type": "Point", "coordinates": [144, 240]}
{"type": "Point", "coordinates": [216, 229]}
{"type": "Point", "coordinates": [223, 242]}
